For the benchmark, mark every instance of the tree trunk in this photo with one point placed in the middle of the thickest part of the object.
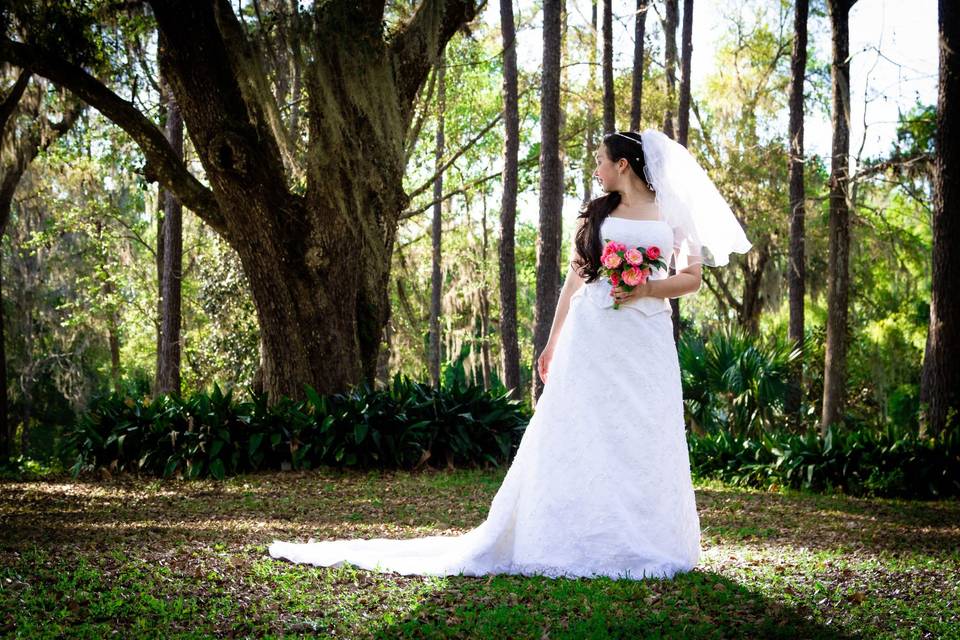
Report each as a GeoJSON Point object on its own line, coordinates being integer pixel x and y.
{"type": "Point", "coordinates": [670, 62]}
{"type": "Point", "coordinates": [508, 212]}
{"type": "Point", "coordinates": [168, 380]}
{"type": "Point", "coordinates": [838, 274]}
{"type": "Point", "coordinates": [686, 53]}
{"type": "Point", "coordinates": [161, 206]}
{"type": "Point", "coordinates": [551, 189]}
{"type": "Point", "coordinates": [485, 301]}
{"type": "Point", "coordinates": [6, 435]}
{"type": "Point", "coordinates": [589, 133]}
{"type": "Point", "coordinates": [683, 117]}
{"type": "Point", "coordinates": [639, 33]}
{"type": "Point", "coordinates": [609, 104]}
{"type": "Point", "coordinates": [436, 278]}
{"type": "Point", "coordinates": [113, 339]}
{"type": "Point", "coordinates": [940, 383]}
{"type": "Point", "coordinates": [796, 274]}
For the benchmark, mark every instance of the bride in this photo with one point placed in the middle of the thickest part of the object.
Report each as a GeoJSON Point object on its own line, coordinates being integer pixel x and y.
{"type": "Point", "coordinates": [600, 484]}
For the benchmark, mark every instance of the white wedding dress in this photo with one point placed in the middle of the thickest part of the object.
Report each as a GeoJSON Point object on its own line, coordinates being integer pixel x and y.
{"type": "Point", "coordinates": [600, 484]}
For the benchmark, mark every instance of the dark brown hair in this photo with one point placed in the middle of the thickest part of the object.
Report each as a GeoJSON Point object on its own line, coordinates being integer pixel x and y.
{"type": "Point", "coordinates": [589, 244]}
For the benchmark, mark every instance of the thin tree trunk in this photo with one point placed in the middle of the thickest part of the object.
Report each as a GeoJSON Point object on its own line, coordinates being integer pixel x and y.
{"type": "Point", "coordinates": [510, 348]}
{"type": "Point", "coordinates": [589, 137]}
{"type": "Point", "coordinates": [639, 33]}
{"type": "Point", "coordinates": [796, 274]}
{"type": "Point", "coordinates": [838, 275]}
{"type": "Point", "coordinates": [683, 119]}
{"type": "Point", "coordinates": [485, 301]}
{"type": "Point", "coordinates": [170, 352]}
{"type": "Point", "coordinates": [609, 103]}
{"type": "Point", "coordinates": [670, 60]}
{"type": "Point", "coordinates": [940, 382]}
{"type": "Point", "coordinates": [551, 189]}
{"type": "Point", "coordinates": [686, 54]}
{"type": "Point", "coordinates": [436, 279]}
{"type": "Point", "coordinates": [161, 206]}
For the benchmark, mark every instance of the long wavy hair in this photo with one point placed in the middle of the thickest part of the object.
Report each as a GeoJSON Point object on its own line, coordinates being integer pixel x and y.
{"type": "Point", "coordinates": [589, 243]}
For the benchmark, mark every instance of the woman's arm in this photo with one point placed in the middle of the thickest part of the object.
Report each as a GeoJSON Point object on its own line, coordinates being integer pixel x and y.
{"type": "Point", "coordinates": [571, 283]}
{"type": "Point", "coordinates": [686, 280]}
{"type": "Point", "coordinates": [683, 282]}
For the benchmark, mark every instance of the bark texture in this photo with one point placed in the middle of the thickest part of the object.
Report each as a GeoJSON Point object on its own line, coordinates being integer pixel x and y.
{"type": "Point", "coordinates": [838, 271]}
{"type": "Point", "coordinates": [796, 275]}
{"type": "Point", "coordinates": [639, 35]}
{"type": "Point", "coordinates": [551, 189]}
{"type": "Point", "coordinates": [508, 209]}
{"type": "Point", "coordinates": [940, 384]}
{"type": "Point", "coordinates": [609, 103]}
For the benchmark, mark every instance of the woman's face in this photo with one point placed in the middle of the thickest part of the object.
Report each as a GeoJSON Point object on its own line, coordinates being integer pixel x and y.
{"type": "Point", "coordinates": [607, 171]}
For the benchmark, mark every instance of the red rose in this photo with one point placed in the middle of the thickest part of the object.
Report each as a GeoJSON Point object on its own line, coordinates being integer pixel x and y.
{"type": "Point", "coordinates": [615, 278]}
{"type": "Point", "coordinates": [653, 253]}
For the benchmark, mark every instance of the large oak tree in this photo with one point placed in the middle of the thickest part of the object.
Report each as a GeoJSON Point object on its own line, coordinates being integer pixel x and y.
{"type": "Point", "coordinates": [313, 217]}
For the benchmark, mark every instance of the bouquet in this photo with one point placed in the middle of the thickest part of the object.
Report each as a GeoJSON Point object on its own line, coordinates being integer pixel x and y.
{"type": "Point", "coordinates": [628, 267]}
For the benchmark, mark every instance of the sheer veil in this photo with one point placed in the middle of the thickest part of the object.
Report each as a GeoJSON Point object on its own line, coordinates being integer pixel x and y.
{"type": "Point", "coordinates": [701, 219]}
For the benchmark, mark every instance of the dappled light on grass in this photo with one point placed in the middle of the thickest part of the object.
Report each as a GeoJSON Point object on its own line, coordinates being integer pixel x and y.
{"type": "Point", "coordinates": [89, 556]}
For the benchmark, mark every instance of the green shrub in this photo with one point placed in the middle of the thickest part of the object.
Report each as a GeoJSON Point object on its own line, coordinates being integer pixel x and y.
{"type": "Point", "coordinates": [892, 463]}
{"type": "Point", "coordinates": [735, 381]}
{"type": "Point", "coordinates": [216, 435]}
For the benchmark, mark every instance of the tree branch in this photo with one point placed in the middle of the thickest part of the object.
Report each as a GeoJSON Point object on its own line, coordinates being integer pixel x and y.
{"type": "Point", "coordinates": [9, 104]}
{"type": "Point", "coordinates": [417, 46]}
{"type": "Point", "coordinates": [162, 163]}
{"type": "Point", "coordinates": [429, 183]}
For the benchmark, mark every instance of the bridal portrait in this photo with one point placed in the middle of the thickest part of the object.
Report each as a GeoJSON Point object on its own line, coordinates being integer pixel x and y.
{"type": "Point", "coordinates": [455, 318]}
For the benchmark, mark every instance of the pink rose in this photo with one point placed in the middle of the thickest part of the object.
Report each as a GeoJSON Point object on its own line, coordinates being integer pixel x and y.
{"type": "Point", "coordinates": [615, 279]}
{"type": "Point", "coordinates": [634, 257]}
{"type": "Point", "coordinates": [633, 276]}
{"type": "Point", "coordinates": [611, 261]}
{"type": "Point", "coordinates": [653, 253]}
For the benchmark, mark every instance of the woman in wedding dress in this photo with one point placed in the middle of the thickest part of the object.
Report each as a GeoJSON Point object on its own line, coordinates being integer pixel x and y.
{"type": "Point", "coordinates": [600, 484]}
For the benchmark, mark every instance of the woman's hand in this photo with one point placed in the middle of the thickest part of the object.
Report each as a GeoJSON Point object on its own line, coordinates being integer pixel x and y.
{"type": "Point", "coordinates": [543, 362]}
{"type": "Point", "coordinates": [621, 295]}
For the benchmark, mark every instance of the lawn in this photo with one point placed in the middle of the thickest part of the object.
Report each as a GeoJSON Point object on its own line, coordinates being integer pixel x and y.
{"type": "Point", "coordinates": [149, 558]}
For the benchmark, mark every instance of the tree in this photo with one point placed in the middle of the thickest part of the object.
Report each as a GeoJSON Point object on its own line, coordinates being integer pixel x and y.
{"type": "Point", "coordinates": [551, 188]}
{"type": "Point", "coordinates": [609, 103]}
{"type": "Point", "coordinates": [683, 119]}
{"type": "Point", "coordinates": [171, 281]}
{"type": "Point", "coordinates": [19, 145]}
{"type": "Point", "coordinates": [436, 281]}
{"type": "Point", "coordinates": [670, 62]}
{"type": "Point", "coordinates": [639, 33]}
{"type": "Point", "coordinates": [589, 136]}
{"type": "Point", "coordinates": [796, 273]}
{"type": "Point", "coordinates": [940, 383]}
{"type": "Point", "coordinates": [508, 208]}
{"type": "Point", "coordinates": [300, 219]}
{"type": "Point", "coordinates": [686, 53]}
{"type": "Point", "coordinates": [838, 272]}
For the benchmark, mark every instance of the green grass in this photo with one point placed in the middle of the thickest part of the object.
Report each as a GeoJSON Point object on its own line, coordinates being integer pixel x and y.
{"type": "Point", "coordinates": [143, 558]}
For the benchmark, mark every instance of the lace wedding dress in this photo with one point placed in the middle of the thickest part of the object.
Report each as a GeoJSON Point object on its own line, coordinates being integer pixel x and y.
{"type": "Point", "coordinates": [600, 484]}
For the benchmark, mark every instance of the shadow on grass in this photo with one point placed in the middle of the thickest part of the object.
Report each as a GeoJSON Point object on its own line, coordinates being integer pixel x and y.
{"type": "Point", "coordinates": [693, 605]}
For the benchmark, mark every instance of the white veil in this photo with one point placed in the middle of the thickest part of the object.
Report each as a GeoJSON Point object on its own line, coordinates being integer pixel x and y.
{"type": "Point", "coordinates": [702, 222]}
